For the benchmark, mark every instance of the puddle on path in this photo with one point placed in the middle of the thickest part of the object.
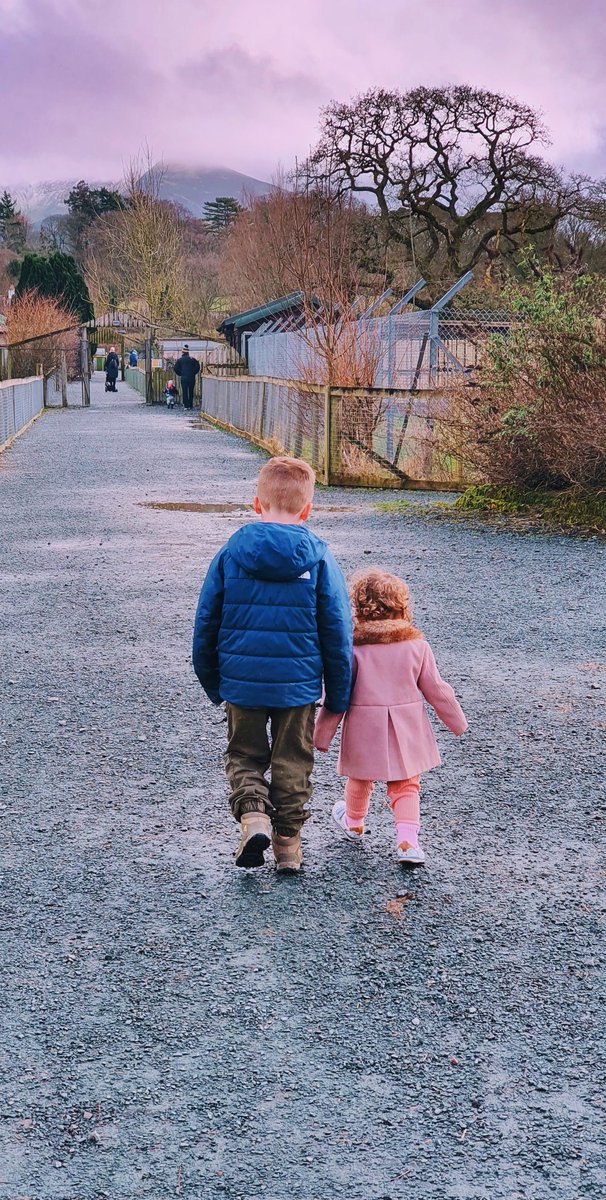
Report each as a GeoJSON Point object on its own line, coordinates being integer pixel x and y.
{"type": "Point", "coordinates": [190, 506]}
{"type": "Point", "coordinates": [229, 506]}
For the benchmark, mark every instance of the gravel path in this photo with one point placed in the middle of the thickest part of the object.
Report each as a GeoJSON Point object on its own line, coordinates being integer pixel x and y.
{"type": "Point", "coordinates": [174, 1027]}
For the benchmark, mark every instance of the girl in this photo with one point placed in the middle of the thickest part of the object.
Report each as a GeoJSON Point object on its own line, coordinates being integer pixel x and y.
{"type": "Point", "coordinates": [170, 394]}
{"type": "Point", "coordinates": [386, 732]}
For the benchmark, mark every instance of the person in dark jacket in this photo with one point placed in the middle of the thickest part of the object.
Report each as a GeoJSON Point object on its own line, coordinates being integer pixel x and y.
{"type": "Point", "coordinates": [112, 367]}
{"type": "Point", "coordinates": [133, 358]}
{"type": "Point", "coordinates": [187, 368]}
{"type": "Point", "coordinates": [273, 621]}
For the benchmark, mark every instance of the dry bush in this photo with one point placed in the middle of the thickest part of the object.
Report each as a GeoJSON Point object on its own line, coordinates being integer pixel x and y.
{"type": "Point", "coordinates": [538, 415]}
{"type": "Point", "coordinates": [40, 317]}
{"type": "Point", "coordinates": [301, 237]}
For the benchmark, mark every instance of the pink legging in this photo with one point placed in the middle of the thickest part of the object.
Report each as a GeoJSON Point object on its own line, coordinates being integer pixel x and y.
{"type": "Point", "coordinates": [403, 796]}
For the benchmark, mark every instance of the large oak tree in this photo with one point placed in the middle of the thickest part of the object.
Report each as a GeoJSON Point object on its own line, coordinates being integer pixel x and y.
{"type": "Point", "coordinates": [456, 173]}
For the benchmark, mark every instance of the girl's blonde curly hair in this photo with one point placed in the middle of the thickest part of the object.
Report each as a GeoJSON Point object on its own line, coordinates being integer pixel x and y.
{"type": "Point", "coordinates": [378, 596]}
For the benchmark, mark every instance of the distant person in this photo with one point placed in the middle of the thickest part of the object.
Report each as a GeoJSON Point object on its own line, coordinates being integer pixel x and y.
{"type": "Point", "coordinates": [133, 358]}
{"type": "Point", "coordinates": [171, 394]}
{"type": "Point", "coordinates": [112, 367]}
{"type": "Point", "coordinates": [386, 734]}
{"type": "Point", "coordinates": [187, 368]}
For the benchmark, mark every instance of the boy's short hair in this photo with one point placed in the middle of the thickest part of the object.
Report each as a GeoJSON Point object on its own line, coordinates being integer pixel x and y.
{"type": "Point", "coordinates": [286, 484]}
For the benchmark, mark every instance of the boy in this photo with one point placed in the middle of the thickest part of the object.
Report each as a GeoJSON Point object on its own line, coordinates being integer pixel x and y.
{"type": "Point", "coordinates": [273, 618]}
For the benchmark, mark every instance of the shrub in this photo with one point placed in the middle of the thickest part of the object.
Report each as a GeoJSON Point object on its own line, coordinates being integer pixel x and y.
{"type": "Point", "coordinates": [537, 415]}
{"type": "Point", "coordinates": [39, 317]}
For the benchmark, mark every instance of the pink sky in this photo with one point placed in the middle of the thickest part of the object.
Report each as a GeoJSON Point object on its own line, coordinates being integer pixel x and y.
{"type": "Point", "coordinates": [86, 83]}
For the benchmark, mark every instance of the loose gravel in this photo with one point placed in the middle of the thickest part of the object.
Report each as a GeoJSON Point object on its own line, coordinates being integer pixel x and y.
{"type": "Point", "coordinates": [174, 1027]}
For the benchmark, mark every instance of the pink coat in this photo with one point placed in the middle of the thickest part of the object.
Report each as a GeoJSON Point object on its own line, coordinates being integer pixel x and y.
{"type": "Point", "coordinates": [386, 731]}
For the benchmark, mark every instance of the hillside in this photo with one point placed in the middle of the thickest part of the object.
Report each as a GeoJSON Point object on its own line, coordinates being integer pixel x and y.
{"type": "Point", "coordinates": [192, 188]}
{"type": "Point", "coordinates": [189, 187]}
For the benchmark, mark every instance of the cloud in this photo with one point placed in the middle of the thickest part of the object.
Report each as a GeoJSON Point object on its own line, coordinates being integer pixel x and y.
{"type": "Point", "coordinates": [86, 83]}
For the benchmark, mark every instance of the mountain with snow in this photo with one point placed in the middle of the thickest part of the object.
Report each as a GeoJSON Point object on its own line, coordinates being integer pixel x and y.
{"type": "Point", "coordinates": [39, 200]}
{"type": "Point", "coordinates": [190, 187]}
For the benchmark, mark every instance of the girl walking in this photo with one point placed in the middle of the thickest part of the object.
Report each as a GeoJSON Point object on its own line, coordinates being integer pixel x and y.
{"type": "Point", "coordinates": [386, 731]}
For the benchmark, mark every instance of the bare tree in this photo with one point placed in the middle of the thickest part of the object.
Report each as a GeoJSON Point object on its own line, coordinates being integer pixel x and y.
{"type": "Point", "coordinates": [454, 171]}
{"type": "Point", "coordinates": [56, 233]}
{"type": "Point", "coordinates": [136, 255]}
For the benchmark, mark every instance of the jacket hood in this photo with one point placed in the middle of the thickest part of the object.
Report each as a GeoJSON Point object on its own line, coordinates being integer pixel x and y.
{"type": "Point", "coordinates": [277, 552]}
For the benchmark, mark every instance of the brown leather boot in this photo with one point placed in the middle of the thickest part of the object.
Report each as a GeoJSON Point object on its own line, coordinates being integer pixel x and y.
{"type": "Point", "coordinates": [287, 852]}
{"type": "Point", "coordinates": [256, 837]}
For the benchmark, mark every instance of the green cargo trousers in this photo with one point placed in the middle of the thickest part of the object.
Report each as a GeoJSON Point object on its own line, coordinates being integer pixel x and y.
{"type": "Point", "coordinates": [290, 755]}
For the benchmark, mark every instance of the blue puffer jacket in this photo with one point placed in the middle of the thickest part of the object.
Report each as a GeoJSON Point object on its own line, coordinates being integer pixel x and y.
{"type": "Point", "coordinates": [273, 618]}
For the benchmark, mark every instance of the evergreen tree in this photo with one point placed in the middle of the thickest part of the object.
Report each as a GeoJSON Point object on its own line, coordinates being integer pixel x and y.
{"type": "Point", "coordinates": [220, 213]}
{"type": "Point", "coordinates": [86, 203]}
{"type": "Point", "coordinates": [13, 227]}
{"type": "Point", "coordinates": [56, 275]}
{"type": "Point", "coordinates": [8, 208]}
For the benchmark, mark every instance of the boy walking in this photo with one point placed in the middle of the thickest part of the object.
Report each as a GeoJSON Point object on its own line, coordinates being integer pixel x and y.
{"type": "Point", "coordinates": [273, 619]}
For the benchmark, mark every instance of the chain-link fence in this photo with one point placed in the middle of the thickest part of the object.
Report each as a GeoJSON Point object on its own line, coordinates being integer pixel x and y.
{"type": "Point", "coordinates": [358, 437]}
{"type": "Point", "coordinates": [389, 438]}
{"type": "Point", "coordinates": [417, 350]}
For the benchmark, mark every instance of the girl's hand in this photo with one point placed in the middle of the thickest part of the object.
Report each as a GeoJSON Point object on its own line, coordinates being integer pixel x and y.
{"type": "Point", "coordinates": [327, 724]}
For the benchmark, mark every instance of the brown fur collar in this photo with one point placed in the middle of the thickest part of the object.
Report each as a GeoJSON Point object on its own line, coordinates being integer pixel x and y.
{"type": "Point", "coordinates": [382, 633]}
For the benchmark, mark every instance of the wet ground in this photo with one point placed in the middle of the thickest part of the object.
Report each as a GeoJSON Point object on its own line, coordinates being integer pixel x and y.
{"type": "Point", "coordinates": [174, 1027]}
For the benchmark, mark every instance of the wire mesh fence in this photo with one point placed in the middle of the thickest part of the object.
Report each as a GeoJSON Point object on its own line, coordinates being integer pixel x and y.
{"type": "Point", "coordinates": [284, 416]}
{"type": "Point", "coordinates": [357, 437]}
{"type": "Point", "coordinates": [60, 358]}
{"type": "Point", "coordinates": [20, 401]}
{"type": "Point", "coordinates": [390, 438]}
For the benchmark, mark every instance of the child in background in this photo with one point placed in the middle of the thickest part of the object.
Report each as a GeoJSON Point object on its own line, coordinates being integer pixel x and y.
{"type": "Point", "coordinates": [170, 393]}
{"type": "Point", "coordinates": [273, 620]}
{"type": "Point", "coordinates": [386, 732]}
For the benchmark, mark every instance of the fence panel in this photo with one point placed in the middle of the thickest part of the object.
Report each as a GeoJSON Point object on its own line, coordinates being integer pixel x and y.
{"type": "Point", "coordinates": [386, 438]}
{"type": "Point", "coordinates": [391, 438]}
{"type": "Point", "coordinates": [20, 401]}
{"type": "Point", "coordinates": [285, 417]}
{"type": "Point", "coordinates": [135, 377]}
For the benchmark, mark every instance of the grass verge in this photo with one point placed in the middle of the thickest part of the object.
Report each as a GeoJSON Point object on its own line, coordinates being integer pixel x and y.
{"type": "Point", "coordinates": [574, 510]}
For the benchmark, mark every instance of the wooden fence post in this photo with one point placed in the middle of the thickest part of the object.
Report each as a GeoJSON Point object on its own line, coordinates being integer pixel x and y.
{"type": "Point", "coordinates": [63, 376]}
{"type": "Point", "coordinates": [84, 367]}
{"type": "Point", "coordinates": [327, 434]}
{"type": "Point", "coordinates": [263, 405]}
{"type": "Point", "coordinates": [149, 399]}
{"type": "Point", "coordinates": [4, 353]}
